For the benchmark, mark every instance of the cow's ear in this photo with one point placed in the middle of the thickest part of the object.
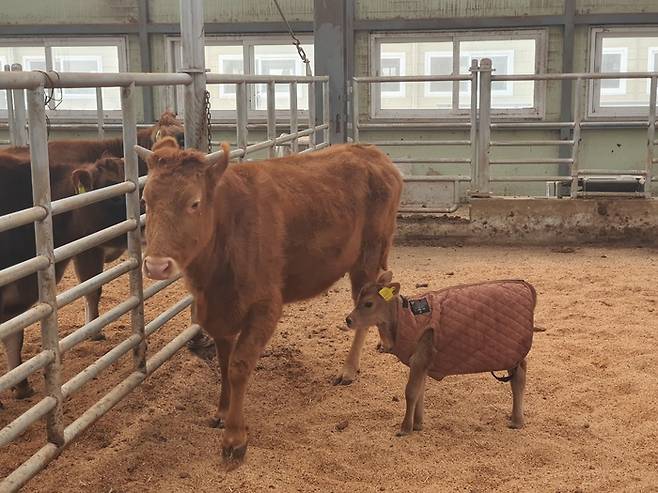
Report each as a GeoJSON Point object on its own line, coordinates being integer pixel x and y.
{"type": "Point", "coordinates": [83, 180]}
{"type": "Point", "coordinates": [385, 277]}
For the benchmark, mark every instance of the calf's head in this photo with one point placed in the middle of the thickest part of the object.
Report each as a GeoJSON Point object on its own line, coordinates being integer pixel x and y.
{"type": "Point", "coordinates": [168, 126]}
{"type": "Point", "coordinates": [376, 305]}
{"type": "Point", "coordinates": [179, 203]}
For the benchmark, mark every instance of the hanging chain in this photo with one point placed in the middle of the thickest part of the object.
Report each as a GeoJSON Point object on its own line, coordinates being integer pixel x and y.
{"type": "Point", "coordinates": [208, 119]}
{"type": "Point", "coordinates": [295, 40]}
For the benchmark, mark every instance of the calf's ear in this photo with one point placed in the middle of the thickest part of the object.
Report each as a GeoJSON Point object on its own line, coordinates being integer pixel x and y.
{"type": "Point", "coordinates": [83, 180]}
{"type": "Point", "coordinates": [385, 277]}
{"type": "Point", "coordinates": [395, 288]}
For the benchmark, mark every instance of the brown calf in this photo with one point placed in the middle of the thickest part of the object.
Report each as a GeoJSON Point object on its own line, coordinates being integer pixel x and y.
{"type": "Point", "coordinates": [457, 330]}
{"type": "Point", "coordinates": [257, 235]}
{"type": "Point", "coordinates": [17, 245]}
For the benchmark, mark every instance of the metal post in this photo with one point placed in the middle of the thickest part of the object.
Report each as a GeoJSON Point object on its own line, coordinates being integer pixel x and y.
{"type": "Point", "coordinates": [192, 42]}
{"type": "Point", "coordinates": [10, 112]}
{"type": "Point", "coordinates": [566, 89]}
{"type": "Point", "coordinates": [241, 108]}
{"type": "Point", "coordinates": [20, 123]}
{"type": "Point", "coordinates": [271, 117]}
{"type": "Point", "coordinates": [484, 130]}
{"type": "Point", "coordinates": [129, 115]}
{"type": "Point", "coordinates": [651, 136]}
{"type": "Point", "coordinates": [474, 121]}
{"type": "Point", "coordinates": [100, 116]}
{"type": "Point", "coordinates": [311, 113]}
{"type": "Point", "coordinates": [577, 117]}
{"type": "Point", "coordinates": [326, 112]}
{"type": "Point", "coordinates": [355, 111]}
{"type": "Point", "coordinates": [44, 246]}
{"type": "Point", "coordinates": [293, 117]}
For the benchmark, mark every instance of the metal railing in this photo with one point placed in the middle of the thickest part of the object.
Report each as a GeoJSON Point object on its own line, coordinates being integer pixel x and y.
{"type": "Point", "coordinates": [480, 127]}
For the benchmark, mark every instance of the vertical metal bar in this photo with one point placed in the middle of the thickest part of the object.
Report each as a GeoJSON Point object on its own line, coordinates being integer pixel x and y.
{"type": "Point", "coordinates": [566, 87]}
{"type": "Point", "coordinates": [271, 116]}
{"type": "Point", "coordinates": [10, 112]}
{"type": "Point", "coordinates": [484, 130]}
{"type": "Point", "coordinates": [241, 107]}
{"type": "Point", "coordinates": [577, 118]}
{"type": "Point", "coordinates": [100, 116]}
{"type": "Point", "coordinates": [50, 67]}
{"type": "Point", "coordinates": [293, 116]}
{"type": "Point", "coordinates": [44, 246]}
{"type": "Point", "coordinates": [474, 122]}
{"type": "Point", "coordinates": [131, 170]}
{"type": "Point", "coordinates": [311, 112]}
{"type": "Point", "coordinates": [145, 56]}
{"type": "Point", "coordinates": [355, 111]}
{"type": "Point", "coordinates": [326, 112]}
{"type": "Point", "coordinates": [192, 41]}
{"type": "Point", "coordinates": [651, 134]}
{"type": "Point", "coordinates": [20, 121]}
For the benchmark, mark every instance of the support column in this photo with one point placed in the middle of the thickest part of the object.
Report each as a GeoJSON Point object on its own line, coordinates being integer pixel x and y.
{"type": "Point", "coordinates": [566, 89]}
{"type": "Point", "coordinates": [145, 56]}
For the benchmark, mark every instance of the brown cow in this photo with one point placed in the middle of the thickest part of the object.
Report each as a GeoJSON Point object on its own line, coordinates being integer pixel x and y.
{"type": "Point", "coordinates": [257, 235]}
{"type": "Point", "coordinates": [17, 245]}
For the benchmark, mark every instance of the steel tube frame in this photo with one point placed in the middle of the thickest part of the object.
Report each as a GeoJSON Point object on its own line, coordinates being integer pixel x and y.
{"type": "Point", "coordinates": [577, 118]}
{"type": "Point", "coordinates": [27, 368]}
{"type": "Point", "coordinates": [100, 114]}
{"type": "Point", "coordinates": [271, 116]}
{"type": "Point", "coordinates": [34, 80]}
{"type": "Point", "coordinates": [21, 218]}
{"type": "Point", "coordinates": [242, 105]}
{"type": "Point", "coordinates": [482, 177]}
{"type": "Point", "coordinates": [23, 269]}
{"type": "Point", "coordinates": [98, 238]}
{"type": "Point", "coordinates": [311, 114]}
{"type": "Point", "coordinates": [651, 134]}
{"type": "Point", "coordinates": [83, 199]}
{"type": "Point", "coordinates": [19, 115]}
{"type": "Point", "coordinates": [11, 121]}
{"type": "Point", "coordinates": [14, 429]}
{"type": "Point", "coordinates": [25, 319]}
{"type": "Point", "coordinates": [167, 315]}
{"type": "Point", "coordinates": [193, 61]}
{"type": "Point", "coordinates": [294, 128]}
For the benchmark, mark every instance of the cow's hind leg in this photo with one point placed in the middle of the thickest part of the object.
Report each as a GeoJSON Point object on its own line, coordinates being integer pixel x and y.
{"type": "Point", "coordinates": [249, 346]}
{"type": "Point", "coordinates": [13, 347]}
{"type": "Point", "coordinates": [224, 348]}
{"type": "Point", "coordinates": [518, 389]}
{"type": "Point", "coordinates": [87, 265]}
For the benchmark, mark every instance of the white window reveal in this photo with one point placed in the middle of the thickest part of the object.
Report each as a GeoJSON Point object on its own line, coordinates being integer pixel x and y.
{"type": "Point", "coordinates": [614, 60]}
{"type": "Point", "coordinates": [392, 64]}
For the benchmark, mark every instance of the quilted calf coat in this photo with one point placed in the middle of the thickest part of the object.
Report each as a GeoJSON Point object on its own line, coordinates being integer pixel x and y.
{"type": "Point", "coordinates": [476, 327]}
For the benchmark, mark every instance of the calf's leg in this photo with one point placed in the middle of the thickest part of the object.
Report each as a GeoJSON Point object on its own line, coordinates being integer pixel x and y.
{"type": "Point", "coordinates": [518, 388]}
{"type": "Point", "coordinates": [249, 346]}
{"type": "Point", "coordinates": [87, 265]}
{"type": "Point", "coordinates": [414, 392]}
{"type": "Point", "coordinates": [13, 347]}
{"type": "Point", "coordinates": [224, 348]}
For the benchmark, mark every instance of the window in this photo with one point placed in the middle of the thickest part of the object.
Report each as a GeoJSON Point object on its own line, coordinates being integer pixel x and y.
{"type": "Point", "coordinates": [70, 55]}
{"type": "Point", "coordinates": [511, 52]}
{"type": "Point", "coordinates": [246, 55]}
{"type": "Point", "coordinates": [617, 49]}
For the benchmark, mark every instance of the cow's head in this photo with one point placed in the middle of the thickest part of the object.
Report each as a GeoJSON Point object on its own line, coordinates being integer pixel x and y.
{"type": "Point", "coordinates": [168, 126]}
{"type": "Point", "coordinates": [105, 172]}
{"type": "Point", "coordinates": [179, 203]}
{"type": "Point", "coordinates": [376, 305]}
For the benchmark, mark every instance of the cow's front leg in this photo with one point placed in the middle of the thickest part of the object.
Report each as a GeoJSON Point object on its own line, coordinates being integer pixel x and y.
{"type": "Point", "coordinates": [224, 348]}
{"type": "Point", "coordinates": [87, 265]}
{"type": "Point", "coordinates": [351, 366]}
{"type": "Point", "coordinates": [262, 320]}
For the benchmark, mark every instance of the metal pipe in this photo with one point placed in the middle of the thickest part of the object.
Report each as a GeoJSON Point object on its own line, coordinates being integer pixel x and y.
{"type": "Point", "coordinates": [100, 114]}
{"type": "Point", "coordinates": [21, 218]}
{"type": "Point", "coordinates": [241, 108]}
{"type": "Point", "coordinates": [156, 287]}
{"type": "Point", "coordinates": [44, 248]}
{"type": "Point", "coordinates": [442, 160]}
{"type": "Point", "coordinates": [503, 179]}
{"type": "Point", "coordinates": [651, 135]}
{"type": "Point", "coordinates": [20, 122]}
{"type": "Point", "coordinates": [293, 117]}
{"type": "Point", "coordinates": [158, 359]}
{"type": "Point", "coordinates": [16, 428]}
{"type": "Point", "coordinates": [576, 76]}
{"type": "Point", "coordinates": [99, 237]}
{"type": "Point", "coordinates": [414, 78]}
{"type": "Point", "coordinates": [326, 110]}
{"type": "Point", "coordinates": [83, 199]}
{"type": "Point", "coordinates": [531, 125]}
{"type": "Point", "coordinates": [520, 143]}
{"type": "Point", "coordinates": [410, 125]}
{"type": "Point", "coordinates": [355, 111]}
{"type": "Point", "coordinates": [24, 370]}
{"type": "Point", "coordinates": [311, 114]}
{"type": "Point", "coordinates": [420, 142]}
{"type": "Point", "coordinates": [474, 122]}
{"type": "Point", "coordinates": [435, 178]}
{"type": "Point", "coordinates": [593, 171]}
{"type": "Point", "coordinates": [316, 147]}
{"type": "Point", "coordinates": [131, 173]}
{"type": "Point", "coordinates": [610, 194]}
{"type": "Point", "coordinates": [23, 269]}
{"type": "Point", "coordinates": [577, 118]}
{"type": "Point", "coordinates": [70, 295]}
{"type": "Point", "coordinates": [429, 210]}
{"type": "Point", "coordinates": [271, 116]}
{"type": "Point", "coordinates": [533, 161]}
{"type": "Point", "coordinates": [214, 78]}
{"type": "Point", "coordinates": [167, 315]}
{"type": "Point", "coordinates": [25, 319]}
{"type": "Point", "coordinates": [11, 121]}
{"type": "Point", "coordinates": [484, 129]}
{"type": "Point", "coordinates": [97, 324]}
{"type": "Point", "coordinates": [33, 80]}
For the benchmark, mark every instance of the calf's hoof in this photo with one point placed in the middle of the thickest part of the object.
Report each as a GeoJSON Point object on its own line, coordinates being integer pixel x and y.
{"type": "Point", "coordinates": [216, 422]}
{"type": "Point", "coordinates": [418, 427]}
{"type": "Point", "coordinates": [403, 433]}
{"type": "Point", "coordinates": [233, 455]}
{"type": "Point", "coordinates": [98, 337]}
{"type": "Point", "coordinates": [515, 425]}
{"type": "Point", "coordinates": [346, 377]}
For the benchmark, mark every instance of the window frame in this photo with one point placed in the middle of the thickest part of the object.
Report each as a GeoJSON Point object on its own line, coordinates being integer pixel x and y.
{"type": "Point", "coordinates": [623, 67]}
{"type": "Point", "coordinates": [174, 96]}
{"type": "Point", "coordinates": [48, 43]}
{"type": "Point", "coordinates": [652, 64]}
{"type": "Point", "coordinates": [594, 109]}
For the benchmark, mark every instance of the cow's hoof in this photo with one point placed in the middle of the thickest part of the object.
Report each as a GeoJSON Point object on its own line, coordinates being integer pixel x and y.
{"type": "Point", "coordinates": [23, 392]}
{"type": "Point", "coordinates": [418, 427]}
{"type": "Point", "coordinates": [216, 423]}
{"type": "Point", "coordinates": [234, 455]}
{"type": "Point", "coordinates": [98, 337]}
{"type": "Point", "coordinates": [515, 425]}
{"type": "Point", "coordinates": [403, 433]}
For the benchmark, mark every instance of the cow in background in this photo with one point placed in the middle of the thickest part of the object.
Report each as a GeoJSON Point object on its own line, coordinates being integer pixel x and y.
{"type": "Point", "coordinates": [251, 237]}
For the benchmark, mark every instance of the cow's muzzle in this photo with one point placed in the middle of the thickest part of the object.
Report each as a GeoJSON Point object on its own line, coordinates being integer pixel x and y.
{"type": "Point", "coordinates": [160, 268]}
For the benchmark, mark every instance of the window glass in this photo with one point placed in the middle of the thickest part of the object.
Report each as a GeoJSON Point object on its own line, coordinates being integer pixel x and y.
{"type": "Point", "coordinates": [229, 60]}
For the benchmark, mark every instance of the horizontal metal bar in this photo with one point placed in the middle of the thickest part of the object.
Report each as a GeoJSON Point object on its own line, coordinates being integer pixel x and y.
{"type": "Point", "coordinates": [615, 124]}
{"type": "Point", "coordinates": [503, 179]}
{"type": "Point", "coordinates": [156, 287]}
{"type": "Point", "coordinates": [20, 218]}
{"type": "Point", "coordinates": [612, 172]}
{"type": "Point", "coordinates": [434, 178]}
{"type": "Point", "coordinates": [25, 319]}
{"type": "Point", "coordinates": [419, 142]}
{"type": "Point", "coordinates": [34, 79]}
{"type": "Point", "coordinates": [610, 194]}
{"type": "Point", "coordinates": [213, 78]}
{"type": "Point", "coordinates": [157, 360]}
{"type": "Point", "coordinates": [396, 125]}
{"type": "Point", "coordinates": [431, 23]}
{"type": "Point", "coordinates": [531, 125]}
{"type": "Point", "coordinates": [14, 429]}
{"type": "Point", "coordinates": [96, 325]}
{"type": "Point", "coordinates": [572, 76]}
{"type": "Point", "coordinates": [25, 369]}
{"type": "Point", "coordinates": [412, 78]}
{"type": "Point", "coordinates": [142, 181]}
{"type": "Point", "coordinates": [93, 283]}
{"type": "Point", "coordinates": [83, 199]}
{"type": "Point", "coordinates": [93, 370]}
{"type": "Point", "coordinates": [167, 315]}
{"type": "Point", "coordinates": [438, 160]}
{"type": "Point", "coordinates": [428, 210]}
{"type": "Point", "coordinates": [532, 161]}
{"type": "Point", "coordinates": [316, 147]}
{"type": "Point", "coordinates": [94, 239]}
{"type": "Point", "coordinates": [520, 143]}
{"type": "Point", "coordinates": [23, 269]}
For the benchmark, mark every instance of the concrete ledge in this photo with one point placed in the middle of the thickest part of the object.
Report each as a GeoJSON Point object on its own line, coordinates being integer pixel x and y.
{"type": "Point", "coordinates": [526, 221]}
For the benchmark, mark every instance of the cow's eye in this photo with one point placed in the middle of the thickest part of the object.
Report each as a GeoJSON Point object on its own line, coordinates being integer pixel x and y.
{"type": "Point", "coordinates": [368, 304]}
{"type": "Point", "coordinates": [195, 205]}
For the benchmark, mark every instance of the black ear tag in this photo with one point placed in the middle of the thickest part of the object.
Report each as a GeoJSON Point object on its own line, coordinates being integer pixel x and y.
{"type": "Point", "coordinates": [418, 307]}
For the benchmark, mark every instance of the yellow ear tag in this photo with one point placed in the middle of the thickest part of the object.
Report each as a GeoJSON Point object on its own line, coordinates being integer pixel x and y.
{"type": "Point", "coordinates": [81, 188]}
{"type": "Point", "coordinates": [387, 293]}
